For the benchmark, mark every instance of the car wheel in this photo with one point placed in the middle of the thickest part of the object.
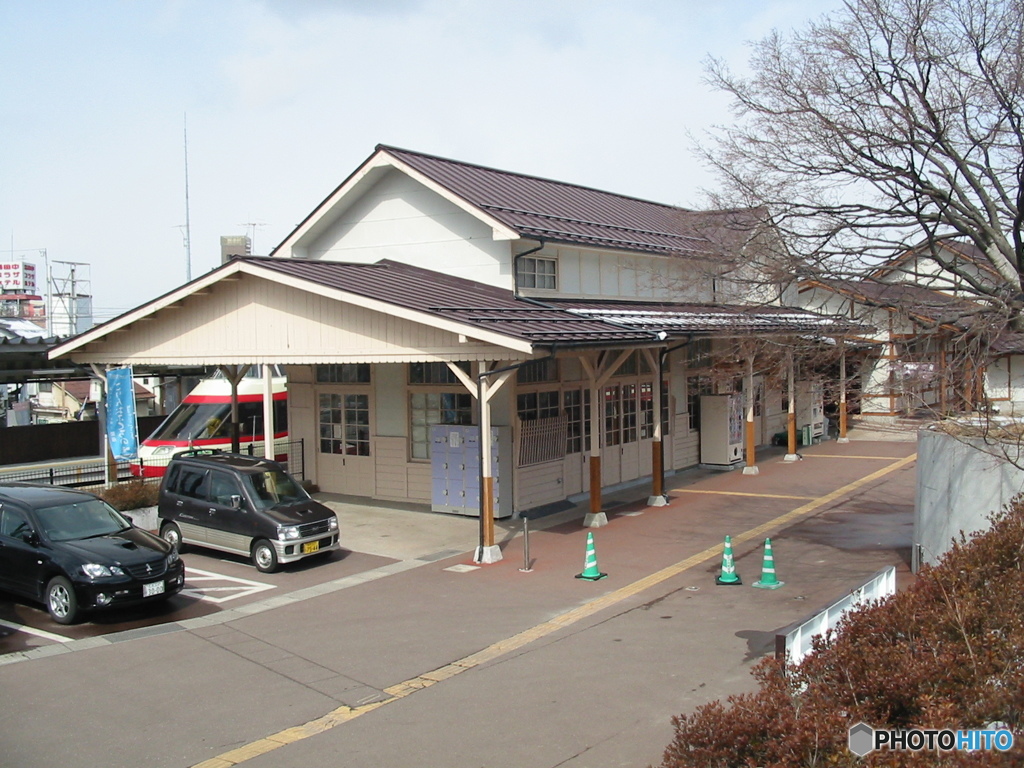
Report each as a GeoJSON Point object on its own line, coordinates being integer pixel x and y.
{"type": "Point", "coordinates": [264, 556]}
{"type": "Point", "coordinates": [171, 533]}
{"type": "Point", "coordinates": [61, 601]}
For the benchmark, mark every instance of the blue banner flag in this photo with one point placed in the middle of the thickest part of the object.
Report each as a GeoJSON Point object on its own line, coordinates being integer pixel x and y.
{"type": "Point", "coordinates": [122, 425]}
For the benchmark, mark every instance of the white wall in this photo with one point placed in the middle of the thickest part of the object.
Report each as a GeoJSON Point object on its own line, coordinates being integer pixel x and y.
{"type": "Point", "coordinates": [1004, 384]}
{"type": "Point", "coordinates": [586, 273]}
{"type": "Point", "coordinates": [400, 219]}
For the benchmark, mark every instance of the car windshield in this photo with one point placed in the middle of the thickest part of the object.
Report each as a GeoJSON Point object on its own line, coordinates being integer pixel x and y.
{"type": "Point", "coordinates": [81, 520]}
{"type": "Point", "coordinates": [274, 487]}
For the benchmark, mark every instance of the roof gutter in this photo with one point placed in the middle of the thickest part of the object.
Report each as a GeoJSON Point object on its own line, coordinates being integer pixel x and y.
{"type": "Point", "coordinates": [515, 267]}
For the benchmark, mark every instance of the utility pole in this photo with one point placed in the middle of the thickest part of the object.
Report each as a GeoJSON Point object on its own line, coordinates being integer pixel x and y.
{"type": "Point", "coordinates": [68, 294]}
{"type": "Point", "coordinates": [188, 228]}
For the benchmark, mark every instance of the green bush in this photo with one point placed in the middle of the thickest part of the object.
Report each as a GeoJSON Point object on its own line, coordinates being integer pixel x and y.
{"type": "Point", "coordinates": [947, 652]}
{"type": "Point", "coordinates": [133, 494]}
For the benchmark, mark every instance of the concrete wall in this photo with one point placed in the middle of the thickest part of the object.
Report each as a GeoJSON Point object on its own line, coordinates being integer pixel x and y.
{"type": "Point", "coordinates": [959, 486]}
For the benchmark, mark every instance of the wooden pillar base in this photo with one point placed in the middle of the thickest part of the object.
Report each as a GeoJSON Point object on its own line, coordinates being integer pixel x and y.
{"type": "Point", "coordinates": [487, 555]}
{"type": "Point", "coordinates": [595, 484]}
{"type": "Point", "coordinates": [751, 468]}
{"type": "Point", "coordinates": [596, 518]}
{"type": "Point", "coordinates": [488, 552]}
{"type": "Point", "coordinates": [657, 497]}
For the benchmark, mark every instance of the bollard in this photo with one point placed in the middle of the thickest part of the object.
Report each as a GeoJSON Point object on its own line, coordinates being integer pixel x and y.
{"type": "Point", "coordinates": [526, 546]}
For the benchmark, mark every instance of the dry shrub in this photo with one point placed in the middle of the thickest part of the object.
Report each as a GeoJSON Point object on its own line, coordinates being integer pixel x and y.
{"type": "Point", "coordinates": [948, 652]}
{"type": "Point", "coordinates": [133, 494]}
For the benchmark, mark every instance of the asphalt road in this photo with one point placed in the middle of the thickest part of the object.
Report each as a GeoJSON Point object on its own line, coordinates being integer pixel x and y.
{"type": "Point", "coordinates": [374, 661]}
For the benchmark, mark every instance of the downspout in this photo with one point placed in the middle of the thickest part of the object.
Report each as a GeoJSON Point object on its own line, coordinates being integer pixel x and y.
{"type": "Point", "coordinates": [515, 267]}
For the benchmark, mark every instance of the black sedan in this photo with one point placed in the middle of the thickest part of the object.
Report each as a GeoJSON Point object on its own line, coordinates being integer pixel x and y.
{"type": "Point", "coordinates": [73, 552]}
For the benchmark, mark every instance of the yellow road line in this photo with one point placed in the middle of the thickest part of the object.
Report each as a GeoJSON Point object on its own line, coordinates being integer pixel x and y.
{"type": "Point", "coordinates": [741, 493]}
{"type": "Point", "coordinates": [841, 456]}
{"type": "Point", "coordinates": [397, 692]}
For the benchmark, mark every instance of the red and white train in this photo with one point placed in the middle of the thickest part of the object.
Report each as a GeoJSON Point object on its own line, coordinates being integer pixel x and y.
{"type": "Point", "coordinates": [203, 420]}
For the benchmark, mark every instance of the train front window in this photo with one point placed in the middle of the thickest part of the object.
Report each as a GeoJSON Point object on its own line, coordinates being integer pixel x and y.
{"type": "Point", "coordinates": [209, 421]}
{"type": "Point", "coordinates": [196, 421]}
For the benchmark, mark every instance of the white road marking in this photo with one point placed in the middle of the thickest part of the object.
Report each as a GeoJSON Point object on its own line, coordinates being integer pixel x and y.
{"type": "Point", "coordinates": [239, 587]}
{"type": "Point", "coordinates": [37, 632]}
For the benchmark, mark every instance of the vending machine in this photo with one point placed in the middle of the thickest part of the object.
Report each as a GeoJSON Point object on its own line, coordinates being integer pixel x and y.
{"type": "Point", "coordinates": [721, 430]}
{"type": "Point", "coordinates": [810, 411]}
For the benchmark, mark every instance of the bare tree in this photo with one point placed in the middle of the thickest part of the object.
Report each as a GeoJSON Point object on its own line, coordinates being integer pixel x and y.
{"type": "Point", "coordinates": [889, 123]}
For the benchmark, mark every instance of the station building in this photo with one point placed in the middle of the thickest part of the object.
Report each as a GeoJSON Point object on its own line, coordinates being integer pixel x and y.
{"type": "Point", "coordinates": [488, 342]}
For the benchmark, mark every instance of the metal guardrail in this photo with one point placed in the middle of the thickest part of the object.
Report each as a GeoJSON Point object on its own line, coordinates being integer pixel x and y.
{"type": "Point", "coordinates": [794, 643]}
{"type": "Point", "coordinates": [92, 471]}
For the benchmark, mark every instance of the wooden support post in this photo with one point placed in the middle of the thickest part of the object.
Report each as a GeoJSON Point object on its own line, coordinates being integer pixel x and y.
{"type": "Point", "coordinates": [657, 497]}
{"type": "Point", "coordinates": [598, 372]}
{"type": "Point", "coordinates": [268, 412]}
{"type": "Point", "coordinates": [234, 375]}
{"type": "Point", "coordinates": [596, 518]}
{"type": "Point", "coordinates": [791, 454]}
{"type": "Point", "coordinates": [943, 381]}
{"type": "Point", "coordinates": [842, 393]}
{"type": "Point", "coordinates": [488, 552]}
{"type": "Point", "coordinates": [751, 468]}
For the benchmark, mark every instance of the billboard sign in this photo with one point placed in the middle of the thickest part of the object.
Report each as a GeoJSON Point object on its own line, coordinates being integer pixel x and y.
{"type": "Point", "coordinates": [17, 276]}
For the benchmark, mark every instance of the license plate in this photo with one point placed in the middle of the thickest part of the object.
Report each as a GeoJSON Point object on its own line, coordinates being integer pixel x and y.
{"type": "Point", "coordinates": [150, 590]}
{"type": "Point", "coordinates": [310, 546]}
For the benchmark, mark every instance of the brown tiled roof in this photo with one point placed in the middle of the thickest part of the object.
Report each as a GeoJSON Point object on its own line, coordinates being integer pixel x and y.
{"type": "Point", "coordinates": [919, 302]}
{"type": "Point", "coordinates": [453, 298]}
{"type": "Point", "coordinates": [958, 250]}
{"type": "Point", "coordinates": [555, 211]}
{"type": "Point", "coordinates": [563, 322]}
{"type": "Point", "coordinates": [1008, 343]}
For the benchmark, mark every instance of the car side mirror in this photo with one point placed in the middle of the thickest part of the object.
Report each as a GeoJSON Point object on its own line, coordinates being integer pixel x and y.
{"type": "Point", "coordinates": [236, 501]}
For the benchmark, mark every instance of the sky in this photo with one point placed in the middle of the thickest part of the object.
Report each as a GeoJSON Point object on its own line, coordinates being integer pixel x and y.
{"type": "Point", "coordinates": [278, 101]}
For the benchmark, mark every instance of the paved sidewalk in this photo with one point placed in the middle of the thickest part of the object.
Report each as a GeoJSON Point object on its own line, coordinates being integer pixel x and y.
{"type": "Point", "coordinates": [434, 662]}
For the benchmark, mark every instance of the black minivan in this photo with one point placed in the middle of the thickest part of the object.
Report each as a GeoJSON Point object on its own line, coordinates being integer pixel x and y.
{"type": "Point", "coordinates": [244, 505]}
{"type": "Point", "coordinates": [74, 552]}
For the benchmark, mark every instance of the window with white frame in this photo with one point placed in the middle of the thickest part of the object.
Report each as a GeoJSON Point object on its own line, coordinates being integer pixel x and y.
{"type": "Point", "coordinates": [537, 272]}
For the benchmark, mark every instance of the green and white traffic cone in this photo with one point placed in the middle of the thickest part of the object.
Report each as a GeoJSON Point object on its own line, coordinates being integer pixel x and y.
{"type": "Point", "coordinates": [728, 576]}
{"type": "Point", "coordinates": [768, 579]}
{"type": "Point", "coordinates": [590, 570]}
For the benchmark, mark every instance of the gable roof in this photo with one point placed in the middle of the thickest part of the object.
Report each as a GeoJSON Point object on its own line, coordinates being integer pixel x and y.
{"type": "Point", "coordinates": [958, 250]}
{"type": "Point", "coordinates": [487, 313]}
{"type": "Point", "coordinates": [536, 208]}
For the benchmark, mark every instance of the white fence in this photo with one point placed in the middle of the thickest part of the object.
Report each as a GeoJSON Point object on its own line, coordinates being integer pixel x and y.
{"type": "Point", "coordinates": [795, 643]}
